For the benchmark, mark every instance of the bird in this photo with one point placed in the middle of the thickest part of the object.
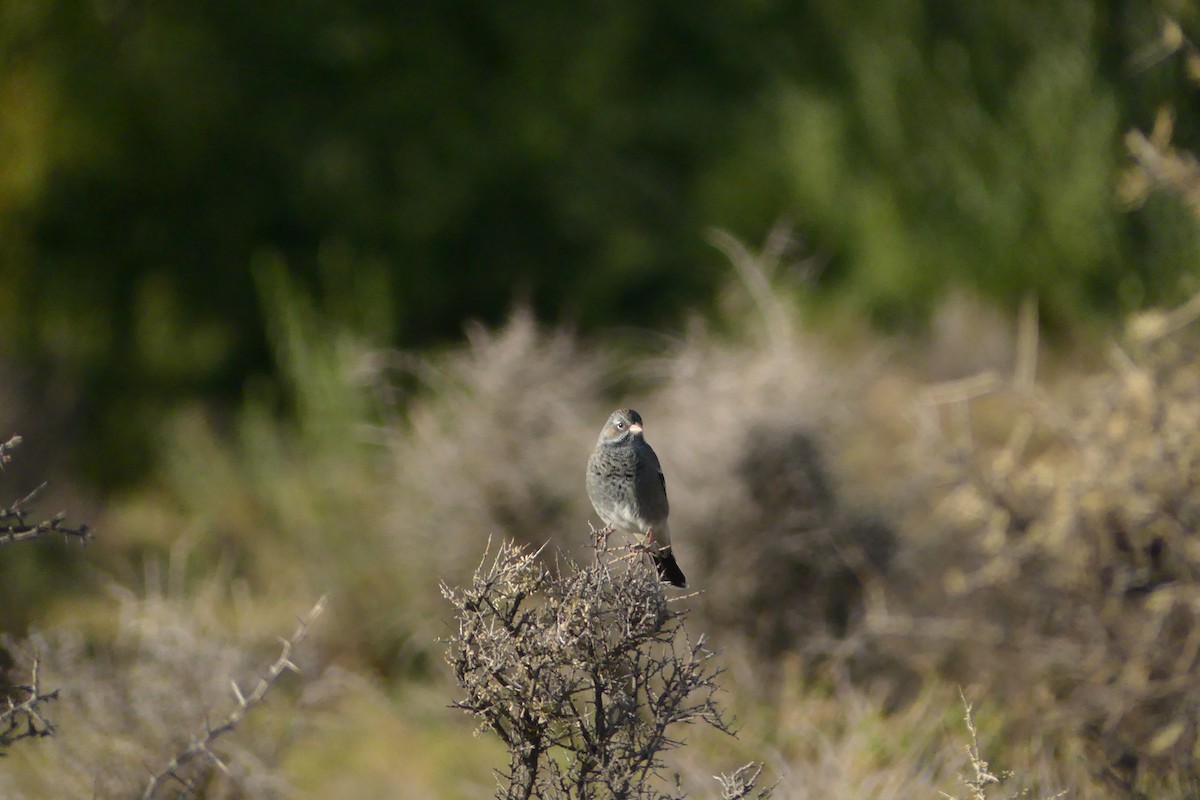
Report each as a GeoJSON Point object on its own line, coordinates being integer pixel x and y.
{"type": "Point", "coordinates": [626, 486]}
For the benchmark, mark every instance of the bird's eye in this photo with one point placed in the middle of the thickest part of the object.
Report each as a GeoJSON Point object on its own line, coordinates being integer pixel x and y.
{"type": "Point", "coordinates": [620, 424]}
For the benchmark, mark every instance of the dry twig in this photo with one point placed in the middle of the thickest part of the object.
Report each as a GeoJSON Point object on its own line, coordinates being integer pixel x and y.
{"type": "Point", "coordinates": [14, 525]}
{"type": "Point", "coordinates": [186, 766]}
{"type": "Point", "coordinates": [739, 784]}
{"type": "Point", "coordinates": [21, 716]}
{"type": "Point", "coordinates": [583, 673]}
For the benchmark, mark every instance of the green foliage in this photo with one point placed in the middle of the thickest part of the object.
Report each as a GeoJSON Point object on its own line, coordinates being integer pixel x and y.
{"type": "Point", "coordinates": [310, 485]}
{"type": "Point", "coordinates": [455, 156]}
{"type": "Point", "coordinates": [975, 147]}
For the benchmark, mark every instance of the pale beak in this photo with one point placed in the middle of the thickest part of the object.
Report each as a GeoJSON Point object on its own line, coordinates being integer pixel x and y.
{"type": "Point", "coordinates": [635, 428]}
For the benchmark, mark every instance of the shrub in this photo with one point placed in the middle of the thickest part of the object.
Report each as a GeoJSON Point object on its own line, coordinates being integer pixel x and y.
{"type": "Point", "coordinates": [583, 675]}
{"type": "Point", "coordinates": [1050, 561]}
{"type": "Point", "coordinates": [140, 715]}
{"type": "Point", "coordinates": [22, 715]}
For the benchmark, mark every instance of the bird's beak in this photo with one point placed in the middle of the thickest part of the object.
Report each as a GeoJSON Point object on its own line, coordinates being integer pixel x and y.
{"type": "Point", "coordinates": [635, 428]}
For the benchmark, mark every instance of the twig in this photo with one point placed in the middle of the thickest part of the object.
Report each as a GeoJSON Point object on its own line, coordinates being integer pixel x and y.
{"type": "Point", "coordinates": [14, 527]}
{"type": "Point", "coordinates": [738, 784]}
{"type": "Point", "coordinates": [1025, 370]}
{"type": "Point", "coordinates": [21, 531]}
{"type": "Point", "coordinates": [23, 719]}
{"type": "Point", "coordinates": [1152, 326]}
{"type": "Point", "coordinates": [984, 778]}
{"type": "Point", "coordinates": [962, 389]}
{"type": "Point", "coordinates": [756, 271]}
{"type": "Point", "coordinates": [8, 447]}
{"type": "Point", "coordinates": [201, 748]}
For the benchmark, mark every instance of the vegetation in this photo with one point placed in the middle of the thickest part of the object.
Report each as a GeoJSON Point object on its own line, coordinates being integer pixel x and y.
{"type": "Point", "coordinates": [585, 676]}
{"type": "Point", "coordinates": [420, 166]}
{"type": "Point", "coordinates": [24, 715]}
{"type": "Point", "coordinates": [933, 445]}
{"type": "Point", "coordinates": [867, 543]}
{"type": "Point", "coordinates": [132, 702]}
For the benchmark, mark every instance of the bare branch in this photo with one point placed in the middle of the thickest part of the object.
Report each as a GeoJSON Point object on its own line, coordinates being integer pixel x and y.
{"type": "Point", "coordinates": [21, 716]}
{"type": "Point", "coordinates": [21, 711]}
{"type": "Point", "coordinates": [182, 767]}
{"type": "Point", "coordinates": [739, 784]}
{"type": "Point", "coordinates": [984, 779]}
{"type": "Point", "coordinates": [583, 673]}
{"type": "Point", "coordinates": [14, 524]}
{"type": "Point", "coordinates": [21, 531]}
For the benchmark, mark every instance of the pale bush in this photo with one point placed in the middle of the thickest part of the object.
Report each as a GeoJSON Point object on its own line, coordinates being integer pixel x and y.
{"type": "Point", "coordinates": [494, 443]}
{"type": "Point", "coordinates": [128, 706]}
{"type": "Point", "coordinates": [1052, 564]}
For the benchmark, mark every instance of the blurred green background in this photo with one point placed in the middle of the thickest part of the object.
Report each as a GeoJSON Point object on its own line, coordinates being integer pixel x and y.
{"type": "Point", "coordinates": [417, 165]}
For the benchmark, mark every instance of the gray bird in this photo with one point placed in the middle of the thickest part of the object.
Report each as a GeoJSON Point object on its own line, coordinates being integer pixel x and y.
{"type": "Point", "coordinates": [627, 489]}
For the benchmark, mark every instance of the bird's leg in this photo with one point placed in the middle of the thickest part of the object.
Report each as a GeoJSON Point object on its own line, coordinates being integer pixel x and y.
{"type": "Point", "coordinates": [647, 548]}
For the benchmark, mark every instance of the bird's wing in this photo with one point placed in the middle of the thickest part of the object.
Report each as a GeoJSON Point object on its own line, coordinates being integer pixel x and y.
{"type": "Point", "coordinates": [651, 486]}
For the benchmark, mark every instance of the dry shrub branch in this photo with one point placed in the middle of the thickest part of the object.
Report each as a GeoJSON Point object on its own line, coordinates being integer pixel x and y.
{"type": "Point", "coordinates": [14, 519]}
{"type": "Point", "coordinates": [585, 674]}
{"type": "Point", "coordinates": [21, 717]}
{"type": "Point", "coordinates": [141, 711]}
{"type": "Point", "coordinates": [22, 714]}
{"type": "Point", "coordinates": [184, 770]}
{"type": "Point", "coordinates": [984, 779]}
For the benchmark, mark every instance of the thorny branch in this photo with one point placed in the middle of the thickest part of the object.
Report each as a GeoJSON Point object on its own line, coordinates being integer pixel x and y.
{"type": "Point", "coordinates": [199, 752]}
{"type": "Point", "coordinates": [14, 523]}
{"type": "Point", "coordinates": [21, 709]}
{"type": "Point", "coordinates": [585, 690]}
{"type": "Point", "coordinates": [21, 715]}
{"type": "Point", "coordinates": [739, 784]}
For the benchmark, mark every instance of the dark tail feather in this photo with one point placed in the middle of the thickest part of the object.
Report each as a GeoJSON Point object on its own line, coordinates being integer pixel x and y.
{"type": "Point", "coordinates": [668, 570]}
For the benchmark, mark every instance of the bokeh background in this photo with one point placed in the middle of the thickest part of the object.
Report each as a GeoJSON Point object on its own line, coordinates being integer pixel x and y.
{"type": "Point", "coordinates": [319, 297]}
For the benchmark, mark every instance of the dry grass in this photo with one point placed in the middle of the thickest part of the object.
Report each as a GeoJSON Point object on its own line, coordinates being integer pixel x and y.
{"type": "Point", "coordinates": [493, 446]}
{"type": "Point", "coordinates": [1055, 571]}
{"type": "Point", "coordinates": [128, 707]}
{"type": "Point", "coordinates": [863, 543]}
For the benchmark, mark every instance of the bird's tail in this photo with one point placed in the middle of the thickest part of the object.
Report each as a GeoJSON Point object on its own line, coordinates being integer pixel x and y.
{"type": "Point", "coordinates": [668, 570]}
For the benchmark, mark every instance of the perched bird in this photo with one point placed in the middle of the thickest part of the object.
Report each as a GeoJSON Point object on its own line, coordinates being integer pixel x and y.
{"type": "Point", "coordinates": [627, 488]}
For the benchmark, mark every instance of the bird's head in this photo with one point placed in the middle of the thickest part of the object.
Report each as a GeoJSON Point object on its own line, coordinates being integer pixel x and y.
{"type": "Point", "coordinates": [623, 425]}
